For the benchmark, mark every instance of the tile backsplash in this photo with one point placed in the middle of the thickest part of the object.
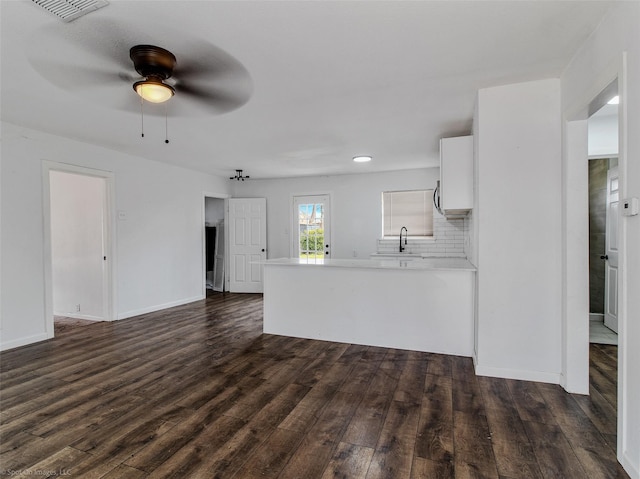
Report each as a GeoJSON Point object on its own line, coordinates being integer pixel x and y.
{"type": "Point", "coordinates": [448, 240]}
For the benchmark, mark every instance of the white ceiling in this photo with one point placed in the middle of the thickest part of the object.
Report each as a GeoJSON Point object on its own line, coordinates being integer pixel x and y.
{"type": "Point", "coordinates": [329, 79]}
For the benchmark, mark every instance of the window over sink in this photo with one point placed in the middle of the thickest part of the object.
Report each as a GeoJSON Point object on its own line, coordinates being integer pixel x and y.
{"type": "Point", "coordinates": [412, 209]}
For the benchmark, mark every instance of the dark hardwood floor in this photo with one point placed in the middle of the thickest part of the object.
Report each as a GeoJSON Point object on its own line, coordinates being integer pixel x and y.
{"type": "Point", "coordinates": [199, 391]}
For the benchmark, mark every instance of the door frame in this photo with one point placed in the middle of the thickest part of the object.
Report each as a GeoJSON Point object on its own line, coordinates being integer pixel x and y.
{"type": "Point", "coordinates": [109, 287]}
{"type": "Point", "coordinates": [293, 224]}
{"type": "Point", "coordinates": [575, 327]}
{"type": "Point", "coordinates": [218, 196]}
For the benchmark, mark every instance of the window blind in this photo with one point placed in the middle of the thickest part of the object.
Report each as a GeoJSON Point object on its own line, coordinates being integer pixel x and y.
{"type": "Point", "coordinates": [412, 209]}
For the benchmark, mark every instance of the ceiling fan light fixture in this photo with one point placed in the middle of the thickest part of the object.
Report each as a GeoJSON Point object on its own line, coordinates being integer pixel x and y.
{"type": "Point", "coordinates": [153, 90]}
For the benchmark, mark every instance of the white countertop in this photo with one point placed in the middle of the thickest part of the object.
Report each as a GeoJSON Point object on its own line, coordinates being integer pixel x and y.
{"type": "Point", "coordinates": [424, 264]}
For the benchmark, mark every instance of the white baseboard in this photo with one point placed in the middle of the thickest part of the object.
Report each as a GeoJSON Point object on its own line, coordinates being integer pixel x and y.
{"type": "Point", "coordinates": [159, 307]}
{"type": "Point", "coordinates": [16, 343]}
{"type": "Point", "coordinates": [523, 375]}
{"type": "Point", "coordinates": [632, 469]}
{"type": "Point", "coordinates": [88, 317]}
{"type": "Point", "coordinates": [575, 387]}
{"type": "Point", "coordinates": [596, 317]}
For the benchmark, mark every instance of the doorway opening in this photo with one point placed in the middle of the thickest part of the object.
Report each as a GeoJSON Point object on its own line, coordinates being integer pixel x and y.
{"type": "Point", "coordinates": [78, 245]}
{"type": "Point", "coordinates": [576, 379]}
{"type": "Point", "coordinates": [214, 244]}
{"type": "Point", "coordinates": [311, 228]}
{"type": "Point", "coordinates": [604, 180]}
{"type": "Point", "coordinates": [603, 220]}
{"type": "Point", "coordinates": [603, 267]}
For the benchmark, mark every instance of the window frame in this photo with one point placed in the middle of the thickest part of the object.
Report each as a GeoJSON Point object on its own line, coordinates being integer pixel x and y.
{"type": "Point", "coordinates": [427, 213]}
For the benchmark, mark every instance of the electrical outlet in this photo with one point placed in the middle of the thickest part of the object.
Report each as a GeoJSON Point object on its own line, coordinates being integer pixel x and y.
{"type": "Point", "coordinates": [77, 308]}
{"type": "Point", "coordinates": [355, 253]}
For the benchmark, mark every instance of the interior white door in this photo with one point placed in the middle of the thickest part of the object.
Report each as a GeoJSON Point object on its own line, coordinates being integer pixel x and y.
{"type": "Point", "coordinates": [311, 228]}
{"type": "Point", "coordinates": [247, 244]}
{"type": "Point", "coordinates": [611, 252]}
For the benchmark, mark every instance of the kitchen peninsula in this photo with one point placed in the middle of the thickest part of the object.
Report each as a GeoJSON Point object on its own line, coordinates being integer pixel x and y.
{"type": "Point", "coordinates": [422, 304]}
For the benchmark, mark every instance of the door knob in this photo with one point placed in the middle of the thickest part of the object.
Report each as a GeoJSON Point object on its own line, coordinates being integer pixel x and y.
{"type": "Point", "coordinates": [604, 256]}
{"type": "Point", "coordinates": [263, 250]}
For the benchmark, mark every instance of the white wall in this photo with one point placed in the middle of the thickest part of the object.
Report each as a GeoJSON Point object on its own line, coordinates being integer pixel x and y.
{"type": "Point", "coordinates": [77, 206]}
{"type": "Point", "coordinates": [213, 210]}
{"type": "Point", "coordinates": [159, 245]}
{"type": "Point", "coordinates": [589, 72]}
{"type": "Point", "coordinates": [356, 206]}
{"type": "Point", "coordinates": [603, 135]}
{"type": "Point", "coordinates": [518, 223]}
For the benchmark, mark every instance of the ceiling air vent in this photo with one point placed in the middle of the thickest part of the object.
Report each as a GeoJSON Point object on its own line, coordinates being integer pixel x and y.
{"type": "Point", "coordinates": [68, 10]}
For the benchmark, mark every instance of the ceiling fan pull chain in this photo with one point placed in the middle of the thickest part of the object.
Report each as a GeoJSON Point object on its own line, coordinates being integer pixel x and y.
{"type": "Point", "coordinates": [166, 124]}
{"type": "Point", "coordinates": [141, 117]}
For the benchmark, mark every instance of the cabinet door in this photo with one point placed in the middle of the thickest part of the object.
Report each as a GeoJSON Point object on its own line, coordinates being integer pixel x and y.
{"type": "Point", "coordinates": [456, 174]}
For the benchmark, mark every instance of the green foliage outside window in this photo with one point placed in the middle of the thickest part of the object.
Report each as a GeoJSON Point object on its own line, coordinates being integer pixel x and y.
{"type": "Point", "coordinates": [312, 241]}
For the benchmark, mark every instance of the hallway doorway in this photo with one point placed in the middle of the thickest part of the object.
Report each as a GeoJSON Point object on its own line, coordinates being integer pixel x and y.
{"type": "Point", "coordinates": [78, 244]}
{"type": "Point", "coordinates": [215, 244]}
{"type": "Point", "coordinates": [603, 220]}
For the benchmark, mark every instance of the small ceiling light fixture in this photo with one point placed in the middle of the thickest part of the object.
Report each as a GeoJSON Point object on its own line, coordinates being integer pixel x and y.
{"type": "Point", "coordinates": [154, 90]}
{"type": "Point", "coordinates": [361, 159]}
{"type": "Point", "coordinates": [614, 101]}
{"type": "Point", "coordinates": [239, 176]}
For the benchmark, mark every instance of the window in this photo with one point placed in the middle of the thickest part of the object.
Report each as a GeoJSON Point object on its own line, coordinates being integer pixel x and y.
{"type": "Point", "coordinates": [411, 209]}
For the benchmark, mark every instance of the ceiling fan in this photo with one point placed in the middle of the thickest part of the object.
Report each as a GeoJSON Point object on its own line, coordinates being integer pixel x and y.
{"type": "Point", "coordinates": [155, 64]}
{"type": "Point", "coordinates": [158, 84]}
{"type": "Point", "coordinates": [203, 78]}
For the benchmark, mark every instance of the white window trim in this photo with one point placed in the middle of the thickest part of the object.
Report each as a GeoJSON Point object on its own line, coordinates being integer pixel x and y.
{"type": "Point", "coordinates": [395, 237]}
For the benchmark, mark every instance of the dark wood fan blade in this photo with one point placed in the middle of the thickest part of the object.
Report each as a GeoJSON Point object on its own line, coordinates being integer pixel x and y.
{"type": "Point", "coordinates": [129, 78]}
{"type": "Point", "coordinates": [202, 61]}
{"type": "Point", "coordinates": [94, 38]}
{"type": "Point", "coordinates": [211, 79]}
{"type": "Point", "coordinates": [213, 99]}
{"type": "Point", "coordinates": [205, 64]}
{"type": "Point", "coordinates": [79, 77]}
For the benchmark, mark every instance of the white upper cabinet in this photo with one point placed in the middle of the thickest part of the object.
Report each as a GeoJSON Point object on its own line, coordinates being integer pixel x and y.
{"type": "Point", "coordinates": [456, 175]}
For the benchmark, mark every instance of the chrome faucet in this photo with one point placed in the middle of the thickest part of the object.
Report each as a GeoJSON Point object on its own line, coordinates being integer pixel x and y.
{"type": "Point", "coordinates": [405, 237]}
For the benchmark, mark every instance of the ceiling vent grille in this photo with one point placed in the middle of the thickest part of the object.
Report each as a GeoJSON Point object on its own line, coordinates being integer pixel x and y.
{"type": "Point", "coordinates": [68, 10]}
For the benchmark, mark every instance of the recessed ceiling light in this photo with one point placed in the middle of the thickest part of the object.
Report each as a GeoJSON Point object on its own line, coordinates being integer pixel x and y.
{"type": "Point", "coordinates": [614, 101]}
{"type": "Point", "coordinates": [361, 159]}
